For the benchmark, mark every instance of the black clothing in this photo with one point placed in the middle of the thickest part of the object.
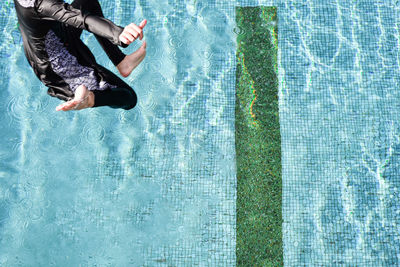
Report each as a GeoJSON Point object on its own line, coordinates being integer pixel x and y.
{"type": "Point", "coordinates": [51, 32]}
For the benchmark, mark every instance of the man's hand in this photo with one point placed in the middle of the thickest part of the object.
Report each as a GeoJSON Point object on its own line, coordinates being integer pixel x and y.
{"type": "Point", "coordinates": [132, 32]}
{"type": "Point", "coordinates": [83, 99]}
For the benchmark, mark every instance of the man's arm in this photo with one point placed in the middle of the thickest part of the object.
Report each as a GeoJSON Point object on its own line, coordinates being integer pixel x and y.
{"type": "Point", "coordinates": [65, 13]}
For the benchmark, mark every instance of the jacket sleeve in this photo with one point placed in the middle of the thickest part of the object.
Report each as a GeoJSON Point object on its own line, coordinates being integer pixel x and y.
{"type": "Point", "coordinates": [65, 13]}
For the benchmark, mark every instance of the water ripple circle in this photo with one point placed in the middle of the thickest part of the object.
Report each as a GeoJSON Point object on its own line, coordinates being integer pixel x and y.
{"type": "Point", "coordinates": [238, 30]}
{"type": "Point", "coordinates": [16, 147]}
{"type": "Point", "coordinates": [40, 105]}
{"type": "Point", "coordinates": [70, 142]}
{"type": "Point", "coordinates": [16, 193]}
{"type": "Point", "coordinates": [156, 65]}
{"type": "Point", "coordinates": [206, 54]}
{"type": "Point", "coordinates": [36, 212]}
{"type": "Point", "coordinates": [55, 122]}
{"type": "Point", "coordinates": [94, 134]}
{"type": "Point", "coordinates": [175, 42]}
{"type": "Point", "coordinates": [150, 103]}
{"type": "Point", "coordinates": [22, 109]}
{"type": "Point", "coordinates": [154, 51]}
{"type": "Point", "coordinates": [15, 109]}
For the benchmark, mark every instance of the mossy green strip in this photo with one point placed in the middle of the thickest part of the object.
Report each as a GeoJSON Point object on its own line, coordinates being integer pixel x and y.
{"type": "Point", "coordinates": [258, 144]}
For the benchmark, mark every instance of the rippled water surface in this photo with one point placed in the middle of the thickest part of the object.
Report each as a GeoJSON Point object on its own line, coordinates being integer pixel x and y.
{"type": "Point", "coordinates": [339, 110]}
{"type": "Point", "coordinates": [155, 186]}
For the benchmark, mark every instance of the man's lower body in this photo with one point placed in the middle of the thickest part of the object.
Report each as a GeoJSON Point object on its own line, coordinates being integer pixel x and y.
{"type": "Point", "coordinates": [120, 95]}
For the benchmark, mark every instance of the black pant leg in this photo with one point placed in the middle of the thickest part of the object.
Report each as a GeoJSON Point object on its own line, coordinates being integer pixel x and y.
{"type": "Point", "coordinates": [121, 97]}
{"type": "Point", "coordinates": [115, 98]}
{"type": "Point", "coordinates": [93, 7]}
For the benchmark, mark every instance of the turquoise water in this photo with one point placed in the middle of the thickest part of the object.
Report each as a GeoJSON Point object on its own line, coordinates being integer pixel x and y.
{"type": "Point", "coordinates": [155, 186]}
{"type": "Point", "coordinates": [339, 108]}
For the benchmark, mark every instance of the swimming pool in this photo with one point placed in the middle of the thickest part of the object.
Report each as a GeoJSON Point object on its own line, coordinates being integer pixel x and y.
{"type": "Point", "coordinates": [339, 125]}
{"type": "Point", "coordinates": [155, 186]}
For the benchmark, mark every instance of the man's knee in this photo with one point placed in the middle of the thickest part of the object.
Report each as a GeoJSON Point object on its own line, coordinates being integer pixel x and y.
{"type": "Point", "coordinates": [131, 99]}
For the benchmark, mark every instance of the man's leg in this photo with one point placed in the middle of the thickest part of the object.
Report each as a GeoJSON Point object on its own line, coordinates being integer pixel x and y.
{"type": "Point", "coordinates": [115, 98]}
{"type": "Point", "coordinates": [124, 98]}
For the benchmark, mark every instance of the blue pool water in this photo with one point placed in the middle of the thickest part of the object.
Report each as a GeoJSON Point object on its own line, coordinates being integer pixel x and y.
{"type": "Point", "coordinates": [339, 114]}
{"type": "Point", "coordinates": [155, 186]}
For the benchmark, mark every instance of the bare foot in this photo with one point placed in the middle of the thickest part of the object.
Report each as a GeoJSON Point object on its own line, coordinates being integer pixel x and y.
{"type": "Point", "coordinates": [130, 62]}
{"type": "Point", "coordinates": [83, 99]}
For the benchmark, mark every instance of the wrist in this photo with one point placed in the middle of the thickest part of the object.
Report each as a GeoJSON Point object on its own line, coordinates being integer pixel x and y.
{"type": "Point", "coordinates": [91, 99]}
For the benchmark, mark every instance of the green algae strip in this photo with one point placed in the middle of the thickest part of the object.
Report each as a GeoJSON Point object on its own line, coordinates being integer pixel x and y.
{"type": "Point", "coordinates": [258, 141]}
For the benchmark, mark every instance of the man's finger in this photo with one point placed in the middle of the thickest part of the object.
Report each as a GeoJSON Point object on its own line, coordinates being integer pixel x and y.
{"type": "Point", "coordinates": [141, 26]}
{"type": "Point", "coordinates": [143, 23]}
{"type": "Point", "coordinates": [62, 106]}
{"type": "Point", "coordinates": [128, 35]}
{"type": "Point", "coordinates": [138, 30]}
{"type": "Point", "coordinates": [70, 107]}
{"type": "Point", "coordinates": [123, 39]}
{"type": "Point", "coordinates": [67, 105]}
{"type": "Point", "coordinates": [134, 30]}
